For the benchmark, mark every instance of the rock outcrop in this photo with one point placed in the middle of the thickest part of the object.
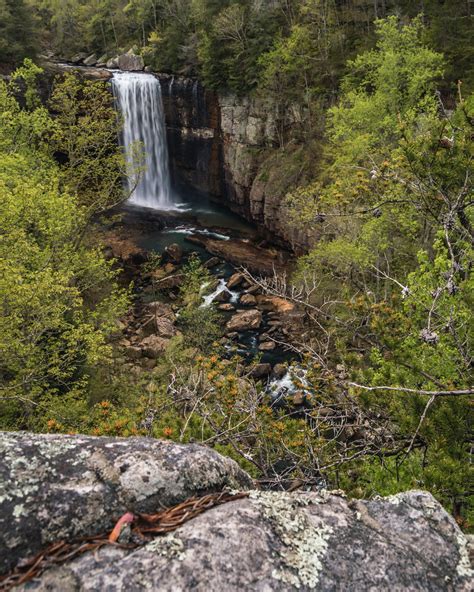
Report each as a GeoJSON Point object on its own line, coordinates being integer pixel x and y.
{"type": "Point", "coordinates": [56, 487]}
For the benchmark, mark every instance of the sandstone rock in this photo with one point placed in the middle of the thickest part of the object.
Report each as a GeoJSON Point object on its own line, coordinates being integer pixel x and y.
{"type": "Point", "coordinates": [275, 304]}
{"type": "Point", "coordinates": [283, 542]}
{"type": "Point", "coordinates": [113, 63]}
{"type": "Point", "coordinates": [133, 352]}
{"type": "Point", "coordinates": [79, 58]}
{"type": "Point", "coordinates": [228, 307]}
{"type": "Point", "coordinates": [130, 62]}
{"type": "Point", "coordinates": [153, 346]}
{"type": "Point", "coordinates": [248, 300]}
{"type": "Point", "coordinates": [102, 61]}
{"type": "Point", "coordinates": [234, 281]}
{"type": "Point", "coordinates": [57, 487]}
{"type": "Point", "coordinates": [160, 309]}
{"type": "Point", "coordinates": [90, 60]}
{"type": "Point", "coordinates": [245, 320]}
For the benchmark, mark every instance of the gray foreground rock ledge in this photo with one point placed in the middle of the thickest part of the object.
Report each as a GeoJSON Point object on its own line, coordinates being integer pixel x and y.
{"type": "Point", "coordinates": [59, 487]}
{"type": "Point", "coordinates": [269, 542]}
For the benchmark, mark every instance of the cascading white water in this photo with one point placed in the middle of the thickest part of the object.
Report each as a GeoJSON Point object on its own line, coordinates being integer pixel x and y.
{"type": "Point", "coordinates": [139, 99]}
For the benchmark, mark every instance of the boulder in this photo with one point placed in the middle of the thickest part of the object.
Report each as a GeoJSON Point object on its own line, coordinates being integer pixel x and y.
{"type": "Point", "coordinates": [280, 370]}
{"type": "Point", "coordinates": [102, 61]}
{"type": "Point", "coordinates": [248, 300]}
{"type": "Point", "coordinates": [153, 346]}
{"type": "Point", "coordinates": [79, 58]}
{"type": "Point", "coordinates": [261, 370]}
{"type": "Point", "coordinates": [160, 309]}
{"type": "Point", "coordinates": [275, 304]}
{"type": "Point", "coordinates": [113, 63]}
{"type": "Point", "coordinates": [174, 252]}
{"type": "Point", "coordinates": [56, 487]}
{"type": "Point", "coordinates": [245, 320]}
{"type": "Point", "coordinates": [283, 542]}
{"type": "Point", "coordinates": [90, 60]}
{"type": "Point", "coordinates": [228, 307]}
{"type": "Point", "coordinates": [223, 296]}
{"type": "Point", "coordinates": [267, 346]}
{"type": "Point", "coordinates": [130, 62]}
{"type": "Point", "coordinates": [234, 281]}
{"type": "Point", "coordinates": [212, 262]}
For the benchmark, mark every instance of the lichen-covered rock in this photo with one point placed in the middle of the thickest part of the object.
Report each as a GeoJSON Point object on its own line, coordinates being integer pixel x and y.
{"type": "Point", "coordinates": [57, 487]}
{"type": "Point", "coordinates": [280, 541]}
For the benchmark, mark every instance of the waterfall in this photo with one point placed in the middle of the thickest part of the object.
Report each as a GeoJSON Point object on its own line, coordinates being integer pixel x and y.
{"type": "Point", "coordinates": [139, 99]}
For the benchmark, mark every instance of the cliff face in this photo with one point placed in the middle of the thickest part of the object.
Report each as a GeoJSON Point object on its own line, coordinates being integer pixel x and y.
{"type": "Point", "coordinates": [229, 147]}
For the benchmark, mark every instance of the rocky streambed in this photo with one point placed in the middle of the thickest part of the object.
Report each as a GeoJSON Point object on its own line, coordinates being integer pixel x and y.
{"type": "Point", "coordinates": [256, 326]}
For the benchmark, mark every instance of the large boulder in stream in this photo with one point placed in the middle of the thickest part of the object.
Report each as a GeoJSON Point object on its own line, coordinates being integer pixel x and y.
{"type": "Point", "coordinates": [245, 320]}
{"type": "Point", "coordinates": [61, 487]}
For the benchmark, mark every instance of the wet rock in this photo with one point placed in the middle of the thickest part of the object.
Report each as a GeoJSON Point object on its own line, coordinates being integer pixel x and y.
{"type": "Point", "coordinates": [245, 320]}
{"type": "Point", "coordinates": [248, 300]}
{"type": "Point", "coordinates": [174, 252]}
{"type": "Point", "coordinates": [253, 289]}
{"type": "Point", "coordinates": [212, 262]}
{"type": "Point", "coordinates": [241, 252]}
{"type": "Point", "coordinates": [228, 307]}
{"type": "Point", "coordinates": [261, 370]}
{"type": "Point", "coordinates": [130, 62]}
{"type": "Point", "coordinates": [298, 399]}
{"type": "Point", "coordinates": [55, 487]}
{"type": "Point", "coordinates": [267, 346]}
{"type": "Point", "coordinates": [223, 296]}
{"type": "Point", "coordinates": [91, 60]}
{"type": "Point", "coordinates": [234, 281]}
{"type": "Point", "coordinates": [279, 370]}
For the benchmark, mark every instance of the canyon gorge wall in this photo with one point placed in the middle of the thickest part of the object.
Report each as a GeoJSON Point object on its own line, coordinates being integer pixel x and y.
{"type": "Point", "coordinates": [229, 147]}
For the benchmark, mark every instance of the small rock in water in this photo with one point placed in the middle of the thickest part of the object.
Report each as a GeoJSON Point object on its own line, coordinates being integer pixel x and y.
{"type": "Point", "coordinates": [267, 346]}
{"type": "Point", "coordinates": [261, 370]}
{"type": "Point", "coordinates": [279, 370]}
{"type": "Point", "coordinates": [174, 252]}
{"type": "Point", "coordinates": [212, 262]}
{"type": "Point", "coordinates": [235, 281]}
{"type": "Point", "coordinates": [298, 398]}
{"type": "Point", "coordinates": [228, 307]}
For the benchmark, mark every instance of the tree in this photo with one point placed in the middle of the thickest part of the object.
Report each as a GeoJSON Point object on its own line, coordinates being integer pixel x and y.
{"type": "Point", "coordinates": [18, 33]}
{"type": "Point", "coordinates": [59, 300]}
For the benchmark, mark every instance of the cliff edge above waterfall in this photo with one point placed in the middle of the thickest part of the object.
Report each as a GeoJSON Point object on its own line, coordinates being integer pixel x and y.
{"type": "Point", "coordinates": [65, 487]}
